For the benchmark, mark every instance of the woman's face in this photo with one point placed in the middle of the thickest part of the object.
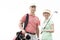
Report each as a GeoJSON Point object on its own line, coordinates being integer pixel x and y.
{"type": "Point", "coordinates": [46, 14]}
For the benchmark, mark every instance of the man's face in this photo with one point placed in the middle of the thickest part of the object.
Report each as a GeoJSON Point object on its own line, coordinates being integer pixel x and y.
{"type": "Point", "coordinates": [32, 9]}
{"type": "Point", "coordinates": [46, 14]}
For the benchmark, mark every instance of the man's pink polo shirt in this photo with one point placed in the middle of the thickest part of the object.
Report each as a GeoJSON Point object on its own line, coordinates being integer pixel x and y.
{"type": "Point", "coordinates": [33, 23]}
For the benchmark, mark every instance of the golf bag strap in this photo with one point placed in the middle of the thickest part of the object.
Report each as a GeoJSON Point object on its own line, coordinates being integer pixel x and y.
{"type": "Point", "coordinates": [26, 21]}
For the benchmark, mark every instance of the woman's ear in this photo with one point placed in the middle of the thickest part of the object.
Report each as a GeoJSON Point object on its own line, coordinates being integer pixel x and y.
{"type": "Point", "coordinates": [49, 14]}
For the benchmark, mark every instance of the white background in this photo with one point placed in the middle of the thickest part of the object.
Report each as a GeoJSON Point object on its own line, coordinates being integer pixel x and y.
{"type": "Point", "coordinates": [11, 12]}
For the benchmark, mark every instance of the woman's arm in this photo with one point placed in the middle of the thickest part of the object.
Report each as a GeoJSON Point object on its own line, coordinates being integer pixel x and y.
{"type": "Point", "coordinates": [51, 30]}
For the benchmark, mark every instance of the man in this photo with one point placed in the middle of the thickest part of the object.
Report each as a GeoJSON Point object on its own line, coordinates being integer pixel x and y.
{"type": "Point", "coordinates": [33, 23]}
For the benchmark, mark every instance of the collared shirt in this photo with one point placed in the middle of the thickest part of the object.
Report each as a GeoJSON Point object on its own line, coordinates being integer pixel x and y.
{"type": "Point", "coordinates": [33, 23]}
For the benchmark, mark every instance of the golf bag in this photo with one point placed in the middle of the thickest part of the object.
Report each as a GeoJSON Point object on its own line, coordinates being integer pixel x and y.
{"type": "Point", "coordinates": [20, 35]}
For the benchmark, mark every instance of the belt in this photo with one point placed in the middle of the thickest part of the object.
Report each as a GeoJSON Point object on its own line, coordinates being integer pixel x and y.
{"type": "Point", "coordinates": [31, 33]}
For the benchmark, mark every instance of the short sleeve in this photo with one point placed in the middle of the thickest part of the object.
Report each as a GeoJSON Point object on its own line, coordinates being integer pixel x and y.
{"type": "Point", "coordinates": [23, 18]}
{"type": "Point", "coordinates": [38, 22]}
{"type": "Point", "coordinates": [51, 22]}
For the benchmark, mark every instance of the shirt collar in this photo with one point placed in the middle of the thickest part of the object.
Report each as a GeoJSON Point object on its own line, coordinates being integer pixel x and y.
{"type": "Point", "coordinates": [32, 15]}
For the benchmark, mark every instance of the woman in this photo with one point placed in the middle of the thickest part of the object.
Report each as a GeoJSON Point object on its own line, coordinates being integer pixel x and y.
{"type": "Point", "coordinates": [48, 26]}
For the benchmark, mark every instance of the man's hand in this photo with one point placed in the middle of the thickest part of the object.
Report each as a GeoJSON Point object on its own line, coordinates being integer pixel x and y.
{"type": "Point", "coordinates": [23, 31]}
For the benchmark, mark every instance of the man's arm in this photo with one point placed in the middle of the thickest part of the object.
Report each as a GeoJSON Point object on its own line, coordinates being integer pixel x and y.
{"type": "Point", "coordinates": [37, 32]}
{"type": "Point", "coordinates": [21, 27]}
{"type": "Point", "coordinates": [21, 23]}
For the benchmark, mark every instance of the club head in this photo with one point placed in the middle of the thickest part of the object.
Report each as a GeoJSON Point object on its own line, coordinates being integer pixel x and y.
{"type": "Point", "coordinates": [55, 11]}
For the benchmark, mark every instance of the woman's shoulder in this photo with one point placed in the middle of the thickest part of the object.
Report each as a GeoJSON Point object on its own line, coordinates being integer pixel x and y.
{"type": "Point", "coordinates": [51, 21]}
